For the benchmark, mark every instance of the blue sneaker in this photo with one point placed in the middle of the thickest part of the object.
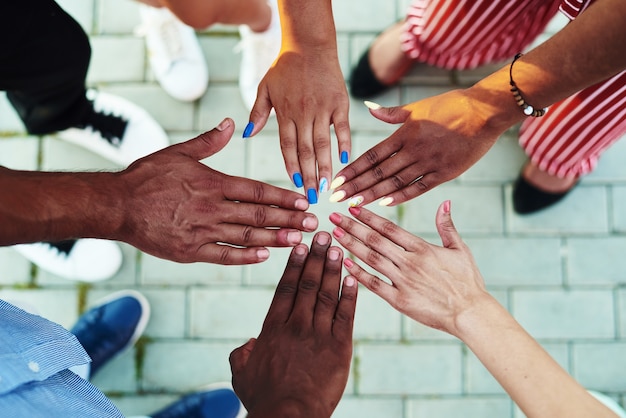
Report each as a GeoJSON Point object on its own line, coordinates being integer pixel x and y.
{"type": "Point", "coordinates": [112, 326]}
{"type": "Point", "coordinates": [215, 401]}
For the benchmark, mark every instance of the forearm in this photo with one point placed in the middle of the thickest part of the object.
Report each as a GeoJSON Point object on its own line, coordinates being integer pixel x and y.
{"type": "Point", "coordinates": [39, 206]}
{"type": "Point", "coordinates": [307, 25]}
{"type": "Point", "coordinates": [537, 384]}
{"type": "Point", "coordinates": [585, 52]}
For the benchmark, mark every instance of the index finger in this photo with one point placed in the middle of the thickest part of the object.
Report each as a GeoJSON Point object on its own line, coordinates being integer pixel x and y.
{"type": "Point", "coordinates": [252, 191]}
{"type": "Point", "coordinates": [287, 289]}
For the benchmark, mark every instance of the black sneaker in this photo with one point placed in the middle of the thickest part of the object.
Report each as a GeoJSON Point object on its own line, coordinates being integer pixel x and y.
{"type": "Point", "coordinates": [117, 129]}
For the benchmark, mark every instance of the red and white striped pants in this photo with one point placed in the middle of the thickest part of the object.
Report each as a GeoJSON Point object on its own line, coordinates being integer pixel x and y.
{"type": "Point", "coordinates": [457, 34]}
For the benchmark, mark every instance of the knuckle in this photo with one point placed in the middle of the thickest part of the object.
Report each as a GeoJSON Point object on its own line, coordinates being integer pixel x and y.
{"type": "Point", "coordinates": [326, 299]}
{"type": "Point", "coordinates": [307, 285]}
{"type": "Point", "coordinates": [305, 152]}
{"type": "Point", "coordinates": [259, 192]}
{"type": "Point", "coordinates": [224, 255]}
{"type": "Point", "coordinates": [371, 156]}
{"type": "Point", "coordinates": [373, 258]}
{"type": "Point", "coordinates": [260, 215]}
{"type": "Point", "coordinates": [389, 228]}
{"type": "Point", "coordinates": [285, 289]}
{"type": "Point", "coordinates": [397, 181]}
{"type": "Point", "coordinates": [246, 234]}
{"type": "Point", "coordinates": [378, 173]}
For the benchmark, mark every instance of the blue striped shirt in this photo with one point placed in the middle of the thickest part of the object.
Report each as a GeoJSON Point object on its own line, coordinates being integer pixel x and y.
{"type": "Point", "coordinates": [35, 355]}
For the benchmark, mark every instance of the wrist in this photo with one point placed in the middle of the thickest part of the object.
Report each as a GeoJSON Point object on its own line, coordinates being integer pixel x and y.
{"type": "Point", "coordinates": [478, 319]}
{"type": "Point", "coordinates": [288, 408]}
{"type": "Point", "coordinates": [307, 26]}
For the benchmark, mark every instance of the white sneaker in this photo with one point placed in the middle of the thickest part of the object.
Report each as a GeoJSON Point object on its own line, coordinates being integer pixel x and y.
{"type": "Point", "coordinates": [175, 55]}
{"type": "Point", "coordinates": [117, 129]}
{"type": "Point", "coordinates": [259, 50]}
{"type": "Point", "coordinates": [87, 260]}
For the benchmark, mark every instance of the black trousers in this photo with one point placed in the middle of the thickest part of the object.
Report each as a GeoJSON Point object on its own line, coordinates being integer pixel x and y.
{"type": "Point", "coordinates": [44, 57]}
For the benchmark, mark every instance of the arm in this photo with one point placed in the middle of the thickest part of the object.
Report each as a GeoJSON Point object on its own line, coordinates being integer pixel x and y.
{"type": "Point", "coordinates": [299, 365]}
{"type": "Point", "coordinates": [305, 86]}
{"type": "Point", "coordinates": [441, 287]}
{"type": "Point", "coordinates": [443, 136]}
{"type": "Point", "coordinates": [167, 204]}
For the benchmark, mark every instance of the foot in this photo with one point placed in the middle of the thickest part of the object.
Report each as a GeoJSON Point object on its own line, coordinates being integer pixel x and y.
{"type": "Point", "coordinates": [546, 182]}
{"type": "Point", "coordinates": [535, 190]}
{"type": "Point", "coordinates": [116, 129]}
{"type": "Point", "coordinates": [217, 401]}
{"type": "Point", "coordinates": [112, 326]}
{"type": "Point", "coordinates": [88, 260]}
{"type": "Point", "coordinates": [382, 65]}
{"type": "Point", "coordinates": [258, 52]}
{"type": "Point", "coordinates": [175, 55]}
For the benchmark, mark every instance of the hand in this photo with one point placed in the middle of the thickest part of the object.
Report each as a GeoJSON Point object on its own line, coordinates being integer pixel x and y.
{"type": "Point", "coordinates": [440, 138]}
{"type": "Point", "coordinates": [179, 209]}
{"type": "Point", "coordinates": [430, 284]}
{"type": "Point", "coordinates": [301, 359]}
{"type": "Point", "coordinates": [308, 92]}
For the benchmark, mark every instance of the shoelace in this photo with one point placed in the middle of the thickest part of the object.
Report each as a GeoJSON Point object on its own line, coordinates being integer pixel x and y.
{"type": "Point", "coordinates": [63, 247]}
{"type": "Point", "coordinates": [111, 127]}
{"type": "Point", "coordinates": [167, 29]}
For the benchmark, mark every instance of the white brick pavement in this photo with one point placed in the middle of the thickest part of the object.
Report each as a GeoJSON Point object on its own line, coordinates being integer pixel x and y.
{"type": "Point", "coordinates": [560, 272]}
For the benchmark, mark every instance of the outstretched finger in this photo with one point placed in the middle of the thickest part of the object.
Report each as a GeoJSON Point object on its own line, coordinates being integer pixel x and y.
{"type": "Point", "coordinates": [287, 289]}
{"type": "Point", "coordinates": [328, 295]}
{"type": "Point", "coordinates": [375, 284]}
{"type": "Point", "coordinates": [450, 237]}
{"type": "Point", "coordinates": [344, 315]}
{"type": "Point", "coordinates": [239, 189]}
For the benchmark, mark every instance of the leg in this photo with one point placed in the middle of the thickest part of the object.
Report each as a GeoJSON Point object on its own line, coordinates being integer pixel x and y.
{"type": "Point", "coordinates": [44, 80]}
{"type": "Point", "coordinates": [453, 35]}
{"type": "Point", "coordinates": [567, 142]}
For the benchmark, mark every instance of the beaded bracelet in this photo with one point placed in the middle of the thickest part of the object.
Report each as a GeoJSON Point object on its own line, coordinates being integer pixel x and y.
{"type": "Point", "coordinates": [526, 107]}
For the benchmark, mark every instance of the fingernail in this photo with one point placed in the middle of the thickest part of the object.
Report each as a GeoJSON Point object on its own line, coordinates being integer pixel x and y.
{"type": "Point", "coordinates": [338, 232]}
{"type": "Point", "coordinates": [355, 201]}
{"type": "Point", "coordinates": [248, 130]}
{"type": "Point", "coordinates": [372, 105]}
{"type": "Point", "coordinates": [322, 239]}
{"type": "Point", "coordinates": [263, 254]}
{"type": "Point", "coordinates": [386, 201]}
{"type": "Point", "coordinates": [309, 223]}
{"type": "Point", "coordinates": [337, 182]}
{"type": "Point", "coordinates": [349, 281]}
{"type": "Point", "coordinates": [294, 237]}
{"type": "Point", "coordinates": [335, 218]}
{"type": "Point", "coordinates": [355, 210]}
{"type": "Point", "coordinates": [347, 262]}
{"type": "Point", "coordinates": [223, 125]}
{"type": "Point", "coordinates": [446, 206]}
{"type": "Point", "coordinates": [333, 254]}
{"type": "Point", "coordinates": [297, 179]}
{"type": "Point", "coordinates": [311, 194]}
{"type": "Point", "coordinates": [302, 204]}
{"type": "Point", "coordinates": [323, 185]}
{"type": "Point", "coordinates": [337, 196]}
{"type": "Point", "coordinates": [344, 157]}
{"type": "Point", "coordinates": [300, 250]}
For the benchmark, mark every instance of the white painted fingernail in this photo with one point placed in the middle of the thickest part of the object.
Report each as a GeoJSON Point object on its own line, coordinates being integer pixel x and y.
{"type": "Point", "coordinates": [323, 185]}
{"type": "Point", "coordinates": [337, 182]}
{"type": "Point", "coordinates": [372, 105]}
{"type": "Point", "coordinates": [386, 201]}
{"type": "Point", "coordinates": [337, 196]}
{"type": "Point", "coordinates": [355, 201]}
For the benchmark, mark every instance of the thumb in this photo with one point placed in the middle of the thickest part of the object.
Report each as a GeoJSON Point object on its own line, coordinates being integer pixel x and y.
{"type": "Point", "coordinates": [239, 357]}
{"type": "Point", "coordinates": [208, 143]}
{"type": "Point", "coordinates": [395, 114]}
{"type": "Point", "coordinates": [450, 238]}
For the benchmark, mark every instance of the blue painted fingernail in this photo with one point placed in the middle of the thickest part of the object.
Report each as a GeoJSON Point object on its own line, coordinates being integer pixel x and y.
{"type": "Point", "coordinates": [297, 179]}
{"type": "Point", "coordinates": [248, 130]}
{"type": "Point", "coordinates": [311, 195]}
{"type": "Point", "coordinates": [344, 157]}
{"type": "Point", "coordinates": [323, 185]}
